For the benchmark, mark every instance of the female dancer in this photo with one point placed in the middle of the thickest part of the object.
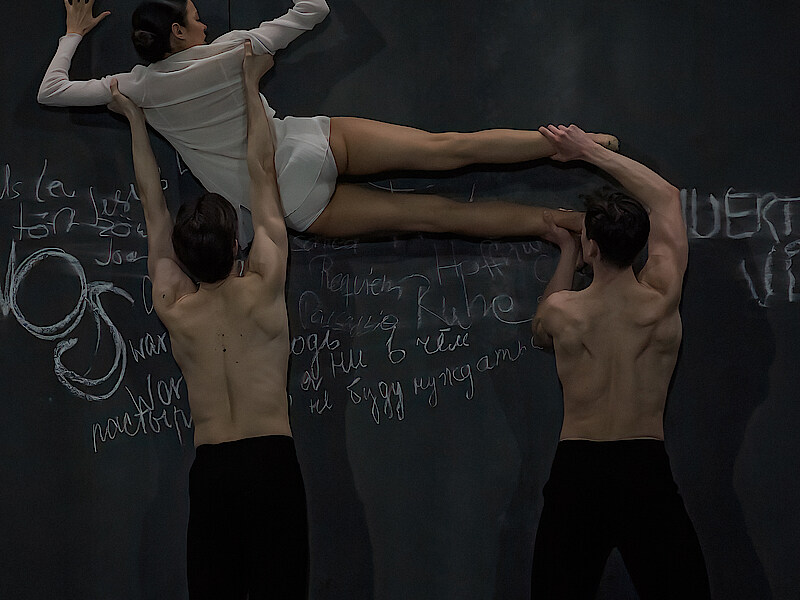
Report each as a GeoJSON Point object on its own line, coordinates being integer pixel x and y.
{"type": "Point", "coordinates": [191, 93]}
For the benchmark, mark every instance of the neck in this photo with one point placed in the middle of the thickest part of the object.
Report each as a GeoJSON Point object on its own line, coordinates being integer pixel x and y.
{"type": "Point", "coordinates": [236, 271]}
{"type": "Point", "coordinates": [179, 47]}
{"type": "Point", "coordinates": [610, 276]}
{"type": "Point", "coordinates": [210, 287]}
{"type": "Point", "coordinates": [174, 48]}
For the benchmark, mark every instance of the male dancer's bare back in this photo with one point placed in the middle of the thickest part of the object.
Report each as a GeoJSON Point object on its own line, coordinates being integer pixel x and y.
{"type": "Point", "coordinates": [231, 340]}
{"type": "Point", "coordinates": [616, 351]}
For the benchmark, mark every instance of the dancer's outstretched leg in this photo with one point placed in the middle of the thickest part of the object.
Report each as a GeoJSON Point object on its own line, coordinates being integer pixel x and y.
{"type": "Point", "coordinates": [358, 210]}
{"type": "Point", "coordinates": [363, 147]}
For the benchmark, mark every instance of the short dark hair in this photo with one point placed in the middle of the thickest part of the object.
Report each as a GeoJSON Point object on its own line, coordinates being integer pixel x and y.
{"type": "Point", "coordinates": [152, 25]}
{"type": "Point", "coordinates": [618, 223]}
{"type": "Point", "coordinates": [204, 236]}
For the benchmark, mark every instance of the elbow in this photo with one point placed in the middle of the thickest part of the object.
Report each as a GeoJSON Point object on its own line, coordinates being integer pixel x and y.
{"type": "Point", "coordinates": [44, 96]}
{"type": "Point", "coordinates": [673, 193]}
{"type": "Point", "coordinates": [262, 171]}
{"type": "Point", "coordinates": [49, 94]}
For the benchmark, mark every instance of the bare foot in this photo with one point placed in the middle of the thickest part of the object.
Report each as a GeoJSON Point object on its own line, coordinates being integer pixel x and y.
{"type": "Point", "coordinates": [606, 140]}
{"type": "Point", "coordinates": [568, 219]}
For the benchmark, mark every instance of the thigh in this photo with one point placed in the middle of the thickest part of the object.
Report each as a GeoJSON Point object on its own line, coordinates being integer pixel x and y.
{"type": "Point", "coordinates": [571, 549]}
{"type": "Point", "coordinates": [278, 557]}
{"type": "Point", "coordinates": [361, 210]}
{"type": "Point", "coordinates": [661, 550]}
{"type": "Point", "coordinates": [362, 147]}
{"type": "Point", "coordinates": [214, 558]}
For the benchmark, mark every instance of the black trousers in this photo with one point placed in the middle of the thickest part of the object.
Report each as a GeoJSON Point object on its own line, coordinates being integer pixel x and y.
{"type": "Point", "coordinates": [603, 495]}
{"type": "Point", "coordinates": [248, 529]}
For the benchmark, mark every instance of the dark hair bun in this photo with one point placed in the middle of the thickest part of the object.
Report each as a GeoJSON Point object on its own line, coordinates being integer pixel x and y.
{"type": "Point", "coordinates": [143, 39]}
{"type": "Point", "coordinates": [152, 24]}
{"type": "Point", "coordinates": [148, 46]}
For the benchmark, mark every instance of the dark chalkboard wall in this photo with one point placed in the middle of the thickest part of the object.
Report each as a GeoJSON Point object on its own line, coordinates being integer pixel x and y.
{"type": "Point", "coordinates": [425, 421]}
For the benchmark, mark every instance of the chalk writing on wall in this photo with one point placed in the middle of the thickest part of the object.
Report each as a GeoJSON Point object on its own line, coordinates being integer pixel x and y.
{"type": "Point", "coordinates": [89, 296]}
{"type": "Point", "coordinates": [72, 228]}
{"type": "Point", "coordinates": [771, 226]}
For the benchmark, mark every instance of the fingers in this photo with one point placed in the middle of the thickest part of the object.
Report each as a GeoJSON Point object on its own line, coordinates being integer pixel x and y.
{"type": "Point", "coordinates": [574, 128]}
{"type": "Point", "coordinates": [114, 105]}
{"type": "Point", "coordinates": [255, 65]}
{"type": "Point", "coordinates": [555, 129]}
{"type": "Point", "coordinates": [80, 18]}
{"type": "Point", "coordinates": [547, 133]}
{"type": "Point", "coordinates": [551, 132]}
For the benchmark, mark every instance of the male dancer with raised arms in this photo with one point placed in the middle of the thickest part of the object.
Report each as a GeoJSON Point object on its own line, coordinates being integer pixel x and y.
{"type": "Point", "coordinates": [247, 533]}
{"type": "Point", "coordinates": [616, 344]}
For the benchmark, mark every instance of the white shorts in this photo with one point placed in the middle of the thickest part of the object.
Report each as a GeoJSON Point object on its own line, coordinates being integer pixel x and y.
{"type": "Point", "coordinates": [306, 169]}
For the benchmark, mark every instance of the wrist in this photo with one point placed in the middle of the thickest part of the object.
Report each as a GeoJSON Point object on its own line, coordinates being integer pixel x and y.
{"type": "Point", "coordinates": [597, 154]}
{"type": "Point", "coordinates": [593, 152]}
{"type": "Point", "coordinates": [569, 249]}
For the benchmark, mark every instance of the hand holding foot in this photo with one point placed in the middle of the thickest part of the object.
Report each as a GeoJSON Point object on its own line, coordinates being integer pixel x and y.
{"type": "Point", "coordinates": [556, 234]}
{"type": "Point", "coordinates": [571, 143]}
{"type": "Point", "coordinates": [568, 219]}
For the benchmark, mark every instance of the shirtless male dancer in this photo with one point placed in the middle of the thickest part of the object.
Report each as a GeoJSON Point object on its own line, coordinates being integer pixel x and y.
{"type": "Point", "coordinates": [616, 344]}
{"type": "Point", "coordinates": [248, 535]}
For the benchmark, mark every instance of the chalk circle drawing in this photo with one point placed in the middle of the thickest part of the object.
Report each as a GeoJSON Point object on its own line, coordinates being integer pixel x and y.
{"type": "Point", "coordinates": [89, 296]}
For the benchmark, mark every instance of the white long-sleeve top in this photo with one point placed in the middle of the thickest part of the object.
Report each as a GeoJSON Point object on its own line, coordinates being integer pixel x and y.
{"type": "Point", "coordinates": [195, 98]}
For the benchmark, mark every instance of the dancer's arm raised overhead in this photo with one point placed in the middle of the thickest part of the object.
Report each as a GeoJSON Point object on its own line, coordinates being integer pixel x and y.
{"type": "Point", "coordinates": [547, 310]}
{"type": "Point", "coordinates": [56, 88]}
{"type": "Point", "coordinates": [668, 247]}
{"type": "Point", "coordinates": [269, 251]}
{"type": "Point", "coordinates": [169, 280]}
